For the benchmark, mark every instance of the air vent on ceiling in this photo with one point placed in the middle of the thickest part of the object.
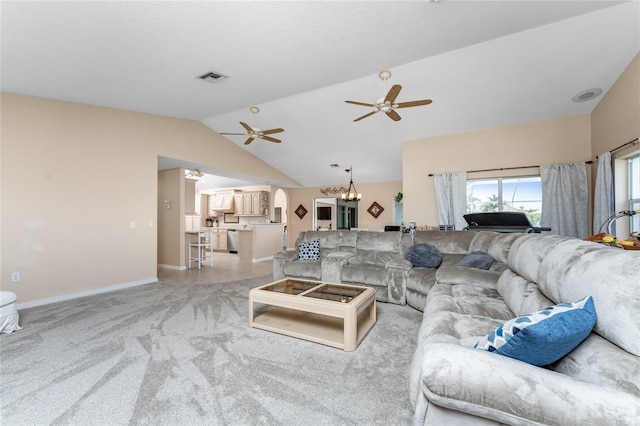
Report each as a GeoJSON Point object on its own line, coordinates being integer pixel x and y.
{"type": "Point", "coordinates": [212, 76]}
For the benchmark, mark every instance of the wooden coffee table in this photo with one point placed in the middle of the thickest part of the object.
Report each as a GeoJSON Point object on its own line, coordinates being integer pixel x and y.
{"type": "Point", "coordinates": [337, 315]}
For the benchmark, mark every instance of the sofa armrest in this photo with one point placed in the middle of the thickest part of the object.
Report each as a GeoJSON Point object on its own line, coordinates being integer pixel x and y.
{"type": "Point", "coordinates": [340, 255]}
{"type": "Point", "coordinates": [510, 391]}
{"type": "Point", "coordinates": [288, 255]}
{"type": "Point", "coordinates": [280, 259]}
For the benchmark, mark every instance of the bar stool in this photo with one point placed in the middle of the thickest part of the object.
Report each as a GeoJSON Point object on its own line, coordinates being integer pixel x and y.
{"type": "Point", "coordinates": [202, 243]}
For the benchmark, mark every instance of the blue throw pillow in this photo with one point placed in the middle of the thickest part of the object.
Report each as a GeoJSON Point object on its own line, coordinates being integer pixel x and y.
{"type": "Point", "coordinates": [424, 255]}
{"type": "Point", "coordinates": [309, 250]}
{"type": "Point", "coordinates": [545, 336]}
{"type": "Point", "coordinates": [476, 259]}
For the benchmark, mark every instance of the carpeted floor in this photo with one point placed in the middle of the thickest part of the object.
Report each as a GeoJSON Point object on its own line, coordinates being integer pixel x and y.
{"type": "Point", "coordinates": [183, 354]}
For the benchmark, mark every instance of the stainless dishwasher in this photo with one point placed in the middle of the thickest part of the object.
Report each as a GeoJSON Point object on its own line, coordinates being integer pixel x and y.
{"type": "Point", "coordinates": [232, 241]}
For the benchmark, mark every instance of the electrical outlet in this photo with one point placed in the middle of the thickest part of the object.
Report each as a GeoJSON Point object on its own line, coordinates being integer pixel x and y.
{"type": "Point", "coordinates": [15, 277]}
{"type": "Point", "coordinates": [150, 224]}
{"type": "Point", "coordinates": [132, 225]}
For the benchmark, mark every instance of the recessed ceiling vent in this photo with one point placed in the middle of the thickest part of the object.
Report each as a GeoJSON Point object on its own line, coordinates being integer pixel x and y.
{"type": "Point", "coordinates": [212, 77]}
{"type": "Point", "coordinates": [587, 95]}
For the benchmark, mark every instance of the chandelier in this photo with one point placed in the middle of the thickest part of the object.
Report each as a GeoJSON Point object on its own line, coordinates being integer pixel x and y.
{"type": "Point", "coordinates": [352, 193]}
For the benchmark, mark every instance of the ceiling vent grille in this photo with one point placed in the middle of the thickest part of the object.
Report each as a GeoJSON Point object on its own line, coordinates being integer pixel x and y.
{"type": "Point", "coordinates": [212, 77]}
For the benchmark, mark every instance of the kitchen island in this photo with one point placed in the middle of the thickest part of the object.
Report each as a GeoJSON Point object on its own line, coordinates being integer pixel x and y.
{"type": "Point", "coordinates": [260, 241]}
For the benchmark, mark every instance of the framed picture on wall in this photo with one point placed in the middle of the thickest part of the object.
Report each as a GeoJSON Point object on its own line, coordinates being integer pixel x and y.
{"type": "Point", "coordinates": [301, 211]}
{"type": "Point", "coordinates": [375, 209]}
{"type": "Point", "coordinates": [231, 218]}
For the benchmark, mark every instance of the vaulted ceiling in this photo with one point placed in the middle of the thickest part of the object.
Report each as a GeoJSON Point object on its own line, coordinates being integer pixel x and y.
{"type": "Point", "coordinates": [483, 63]}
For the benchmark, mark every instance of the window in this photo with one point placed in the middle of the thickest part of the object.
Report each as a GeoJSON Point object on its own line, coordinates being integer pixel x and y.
{"type": "Point", "coordinates": [634, 192]}
{"type": "Point", "coordinates": [521, 194]}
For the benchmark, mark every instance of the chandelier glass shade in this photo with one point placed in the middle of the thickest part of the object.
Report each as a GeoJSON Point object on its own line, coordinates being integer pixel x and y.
{"type": "Point", "coordinates": [352, 193]}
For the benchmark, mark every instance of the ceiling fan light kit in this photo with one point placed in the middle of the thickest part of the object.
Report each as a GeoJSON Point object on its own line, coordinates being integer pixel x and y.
{"type": "Point", "coordinates": [387, 104]}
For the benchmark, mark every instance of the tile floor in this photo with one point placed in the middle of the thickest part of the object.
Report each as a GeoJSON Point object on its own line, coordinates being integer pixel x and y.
{"type": "Point", "coordinates": [226, 267]}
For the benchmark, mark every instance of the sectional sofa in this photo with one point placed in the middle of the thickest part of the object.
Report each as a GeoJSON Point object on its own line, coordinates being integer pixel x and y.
{"type": "Point", "coordinates": [453, 378]}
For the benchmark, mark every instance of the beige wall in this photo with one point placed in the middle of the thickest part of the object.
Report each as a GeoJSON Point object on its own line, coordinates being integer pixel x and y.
{"type": "Point", "coordinates": [614, 122]}
{"type": "Point", "coordinates": [381, 192]}
{"type": "Point", "coordinates": [73, 179]}
{"type": "Point", "coordinates": [616, 119]}
{"type": "Point", "coordinates": [171, 245]}
{"type": "Point", "coordinates": [546, 142]}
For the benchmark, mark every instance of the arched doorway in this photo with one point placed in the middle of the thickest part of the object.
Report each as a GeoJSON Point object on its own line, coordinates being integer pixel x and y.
{"type": "Point", "coordinates": [280, 204]}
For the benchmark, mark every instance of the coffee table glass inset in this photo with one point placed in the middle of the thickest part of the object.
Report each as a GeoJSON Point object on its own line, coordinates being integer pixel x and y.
{"type": "Point", "coordinates": [337, 315]}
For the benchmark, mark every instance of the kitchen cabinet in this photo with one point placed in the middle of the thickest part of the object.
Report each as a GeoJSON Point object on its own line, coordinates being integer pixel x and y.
{"type": "Point", "coordinates": [218, 239]}
{"type": "Point", "coordinates": [211, 212]}
{"type": "Point", "coordinates": [192, 222]}
{"type": "Point", "coordinates": [251, 203]}
{"type": "Point", "coordinates": [238, 204]}
{"type": "Point", "coordinates": [221, 201]}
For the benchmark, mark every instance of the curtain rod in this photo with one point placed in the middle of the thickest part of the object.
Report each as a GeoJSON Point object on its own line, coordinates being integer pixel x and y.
{"type": "Point", "coordinates": [622, 146]}
{"type": "Point", "coordinates": [508, 168]}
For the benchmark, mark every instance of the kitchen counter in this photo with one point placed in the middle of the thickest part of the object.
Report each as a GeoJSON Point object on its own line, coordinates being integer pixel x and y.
{"type": "Point", "coordinates": [260, 242]}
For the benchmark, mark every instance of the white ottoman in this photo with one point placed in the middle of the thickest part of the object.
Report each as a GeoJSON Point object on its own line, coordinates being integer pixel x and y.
{"type": "Point", "coordinates": [8, 312]}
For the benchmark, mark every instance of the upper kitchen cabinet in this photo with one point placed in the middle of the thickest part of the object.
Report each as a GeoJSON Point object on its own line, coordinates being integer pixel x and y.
{"type": "Point", "coordinates": [220, 202]}
{"type": "Point", "coordinates": [251, 203]}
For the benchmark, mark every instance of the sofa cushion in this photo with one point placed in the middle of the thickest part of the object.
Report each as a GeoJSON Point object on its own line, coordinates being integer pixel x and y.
{"type": "Point", "coordinates": [472, 300]}
{"type": "Point", "coordinates": [311, 269]}
{"type": "Point", "coordinates": [377, 248]}
{"type": "Point", "coordinates": [309, 250]}
{"type": "Point", "coordinates": [448, 242]}
{"type": "Point", "coordinates": [520, 295]}
{"type": "Point", "coordinates": [477, 259]}
{"type": "Point", "coordinates": [364, 274]}
{"type": "Point", "coordinates": [544, 336]}
{"type": "Point", "coordinates": [573, 269]}
{"type": "Point", "coordinates": [424, 255]}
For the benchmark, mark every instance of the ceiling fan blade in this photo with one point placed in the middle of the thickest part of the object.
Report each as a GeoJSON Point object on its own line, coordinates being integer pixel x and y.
{"type": "Point", "coordinates": [414, 103]}
{"type": "Point", "coordinates": [270, 131]}
{"type": "Point", "coordinates": [393, 93]}
{"type": "Point", "coordinates": [232, 133]}
{"type": "Point", "coordinates": [270, 139]}
{"type": "Point", "coordinates": [360, 103]}
{"type": "Point", "coordinates": [246, 126]}
{"type": "Point", "coordinates": [365, 116]}
{"type": "Point", "coordinates": [393, 115]}
{"type": "Point", "coordinates": [248, 141]}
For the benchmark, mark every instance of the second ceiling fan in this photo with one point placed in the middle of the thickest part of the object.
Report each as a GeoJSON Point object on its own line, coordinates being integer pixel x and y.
{"type": "Point", "coordinates": [388, 103]}
{"type": "Point", "coordinates": [255, 132]}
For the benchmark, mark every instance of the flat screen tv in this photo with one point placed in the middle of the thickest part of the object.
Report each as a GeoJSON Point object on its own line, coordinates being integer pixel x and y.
{"type": "Point", "coordinates": [324, 213]}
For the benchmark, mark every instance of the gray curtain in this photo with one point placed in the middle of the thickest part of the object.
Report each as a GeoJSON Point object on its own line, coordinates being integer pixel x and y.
{"type": "Point", "coordinates": [565, 199]}
{"type": "Point", "coordinates": [603, 206]}
{"type": "Point", "coordinates": [451, 198]}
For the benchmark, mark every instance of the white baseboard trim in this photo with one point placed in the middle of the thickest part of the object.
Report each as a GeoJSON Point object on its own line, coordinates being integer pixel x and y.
{"type": "Point", "coordinates": [71, 296]}
{"type": "Point", "coordinates": [174, 267]}
{"type": "Point", "coordinates": [262, 259]}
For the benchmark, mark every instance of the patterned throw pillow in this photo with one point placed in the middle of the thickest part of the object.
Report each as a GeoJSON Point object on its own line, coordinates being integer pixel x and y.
{"type": "Point", "coordinates": [545, 336]}
{"type": "Point", "coordinates": [309, 250]}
